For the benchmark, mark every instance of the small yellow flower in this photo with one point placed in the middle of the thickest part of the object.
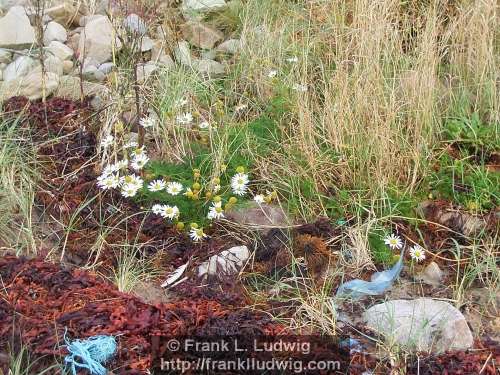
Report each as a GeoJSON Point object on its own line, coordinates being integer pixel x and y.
{"type": "Point", "coordinates": [208, 195]}
{"type": "Point", "coordinates": [180, 225]}
{"type": "Point", "coordinates": [216, 181]}
{"type": "Point", "coordinates": [240, 169]}
{"type": "Point", "coordinates": [233, 200]}
{"type": "Point", "coordinates": [193, 226]}
{"type": "Point", "coordinates": [196, 186]}
{"type": "Point", "coordinates": [217, 198]}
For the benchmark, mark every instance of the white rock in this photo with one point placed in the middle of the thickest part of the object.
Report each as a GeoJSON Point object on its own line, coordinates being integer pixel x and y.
{"type": "Point", "coordinates": [60, 50]}
{"type": "Point", "coordinates": [201, 35]}
{"type": "Point", "coordinates": [422, 324]}
{"type": "Point", "coordinates": [190, 6]}
{"type": "Point", "coordinates": [32, 86]}
{"type": "Point", "coordinates": [69, 87]}
{"type": "Point", "coordinates": [53, 64]}
{"type": "Point", "coordinates": [7, 4]}
{"type": "Point", "coordinates": [231, 46]}
{"type": "Point", "coordinates": [106, 68]}
{"type": "Point", "coordinates": [144, 71]}
{"type": "Point", "coordinates": [209, 68]}
{"type": "Point", "coordinates": [92, 74]}
{"type": "Point", "coordinates": [16, 31]}
{"type": "Point", "coordinates": [19, 67]}
{"type": "Point", "coordinates": [227, 262]}
{"type": "Point", "coordinates": [146, 44]}
{"type": "Point", "coordinates": [160, 56]}
{"type": "Point", "coordinates": [96, 40]}
{"type": "Point", "coordinates": [5, 56]}
{"type": "Point", "coordinates": [134, 24]}
{"type": "Point", "coordinates": [54, 31]}
{"type": "Point", "coordinates": [182, 53]}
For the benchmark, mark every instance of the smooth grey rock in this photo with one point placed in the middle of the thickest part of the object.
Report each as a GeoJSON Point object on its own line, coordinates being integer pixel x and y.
{"type": "Point", "coordinates": [60, 50]}
{"type": "Point", "coordinates": [182, 53]}
{"type": "Point", "coordinates": [208, 55]}
{"type": "Point", "coordinates": [134, 24]}
{"type": "Point", "coordinates": [210, 68]}
{"type": "Point", "coordinates": [96, 40]}
{"type": "Point", "coordinates": [20, 67]}
{"type": "Point", "coordinates": [54, 31]}
{"type": "Point", "coordinates": [32, 86]}
{"type": "Point", "coordinates": [92, 74]}
{"type": "Point", "coordinates": [190, 6]}
{"type": "Point", "coordinates": [67, 66]}
{"type": "Point", "coordinates": [54, 65]}
{"type": "Point", "coordinates": [422, 324]}
{"type": "Point", "coordinates": [69, 87]}
{"type": "Point", "coordinates": [144, 71]}
{"type": "Point", "coordinates": [262, 217]}
{"type": "Point", "coordinates": [5, 56]}
{"type": "Point", "coordinates": [431, 275]}
{"type": "Point", "coordinates": [201, 35]}
{"type": "Point", "coordinates": [106, 68]}
{"type": "Point", "coordinates": [146, 44]}
{"type": "Point", "coordinates": [230, 46]}
{"type": "Point", "coordinates": [16, 31]}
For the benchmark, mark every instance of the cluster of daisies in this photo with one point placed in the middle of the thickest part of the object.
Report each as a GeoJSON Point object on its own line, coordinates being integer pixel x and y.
{"type": "Point", "coordinates": [116, 175]}
{"type": "Point", "coordinates": [394, 242]}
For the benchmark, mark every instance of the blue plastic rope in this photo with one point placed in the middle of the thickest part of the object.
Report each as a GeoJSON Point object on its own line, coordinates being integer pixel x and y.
{"type": "Point", "coordinates": [92, 352]}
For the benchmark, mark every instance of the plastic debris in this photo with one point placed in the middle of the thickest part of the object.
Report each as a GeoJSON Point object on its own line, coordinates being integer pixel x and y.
{"type": "Point", "coordinates": [380, 282]}
{"type": "Point", "coordinates": [173, 278]}
{"type": "Point", "coordinates": [92, 352]}
{"type": "Point", "coordinates": [226, 262]}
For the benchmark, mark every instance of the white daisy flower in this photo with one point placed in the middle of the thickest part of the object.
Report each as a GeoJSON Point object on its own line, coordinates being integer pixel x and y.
{"type": "Point", "coordinates": [417, 253]}
{"type": "Point", "coordinates": [129, 190]}
{"type": "Point", "coordinates": [259, 198]}
{"type": "Point", "coordinates": [121, 164]}
{"type": "Point", "coordinates": [131, 144]}
{"type": "Point", "coordinates": [204, 125]}
{"type": "Point", "coordinates": [272, 73]}
{"type": "Point", "coordinates": [216, 211]}
{"type": "Point", "coordinates": [174, 188]}
{"type": "Point", "coordinates": [107, 141]}
{"type": "Point", "coordinates": [132, 180]}
{"type": "Point", "coordinates": [157, 185]}
{"type": "Point", "coordinates": [197, 234]}
{"type": "Point", "coordinates": [147, 122]}
{"type": "Point", "coordinates": [108, 169]}
{"type": "Point", "coordinates": [188, 192]}
{"type": "Point", "coordinates": [140, 151]}
{"type": "Point", "coordinates": [157, 209]}
{"type": "Point", "coordinates": [169, 212]}
{"type": "Point", "coordinates": [393, 241]}
{"type": "Point", "coordinates": [216, 189]}
{"type": "Point", "coordinates": [292, 59]}
{"type": "Point", "coordinates": [239, 183]}
{"type": "Point", "coordinates": [185, 118]}
{"type": "Point", "coordinates": [299, 87]}
{"type": "Point", "coordinates": [111, 181]}
{"type": "Point", "coordinates": [139, 162]}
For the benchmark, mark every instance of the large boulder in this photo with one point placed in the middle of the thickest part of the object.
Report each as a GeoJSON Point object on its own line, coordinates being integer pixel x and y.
{"type": "Point", "coordinates": [20, 67]}
{"type": "Point", "coordinates": [32, 86]}
{"type": "Point", "coordinates": [262, 217]}
{"type": "Point", "coordinates": [422, 324]}
{"type": "Point", "coordinates": [200, 35]}
{"type": "Point", "coordinates": [96, 40]}
{"type": "Point", "coordinates": [60, 50]}
{"type": "Point", "coordinates": [16, 31]}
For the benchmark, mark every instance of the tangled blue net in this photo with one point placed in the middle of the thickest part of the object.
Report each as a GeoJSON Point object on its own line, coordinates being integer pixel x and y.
{"type": "Point", "coordinates": [90, 353]}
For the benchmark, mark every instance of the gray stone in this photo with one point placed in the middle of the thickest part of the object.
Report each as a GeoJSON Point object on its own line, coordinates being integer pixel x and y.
{"type": "Point", "coordinates": [182, 53]}
{"type": "Point", "coordinates": [422, 324]}
{"type": "Point", "coordinates": [230, 46]}
{"type": "Point", "coordinates": [69, 87]}
{"type": "Point", "coordinates": [160, 56]}
{"type": "Point", "coordinates": [32, 86]}
{"type": "Point", "coordinates": [209, 68]}
{"type": "Point", "coordinates": [7, 4]}
{"type": "Point", "coordinates": [16, 31]}
{"type": "Point", "coordinates": [21, 66]}
{"type": "Point", "coordinates": [134, 24]}
{"type": "Point", "coordinates": [144, 71]}
{"type": "Point", "coordinates": [431, 275]}
{"type": "Point", "coordinates": [106, 68]}
{"type": "Point", "coordinates": [146, 44]}
{"type": "Point", "coordinates": [67, 12]}
{"type": "Point", "coordinates": [54, 65]}
{"type": "Point", "coordinates": [201, 35]}
{"type": "Point", "coordinates": [96, 40]}
{"type": "Point", "coordinates": [60, 50]}
{"type": "Point", "coordinates": [262, 217]}
{"type": "Point", "coordinates": [5, 56]}
{"type": "Point", "coordinates": [208, 55]}
{"type": "Point", "coordinates": [190, 6]}
{"type": "Point", "coordinates": [54, 31]}
{"type": "Point", "coordinates": [92, 74]}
